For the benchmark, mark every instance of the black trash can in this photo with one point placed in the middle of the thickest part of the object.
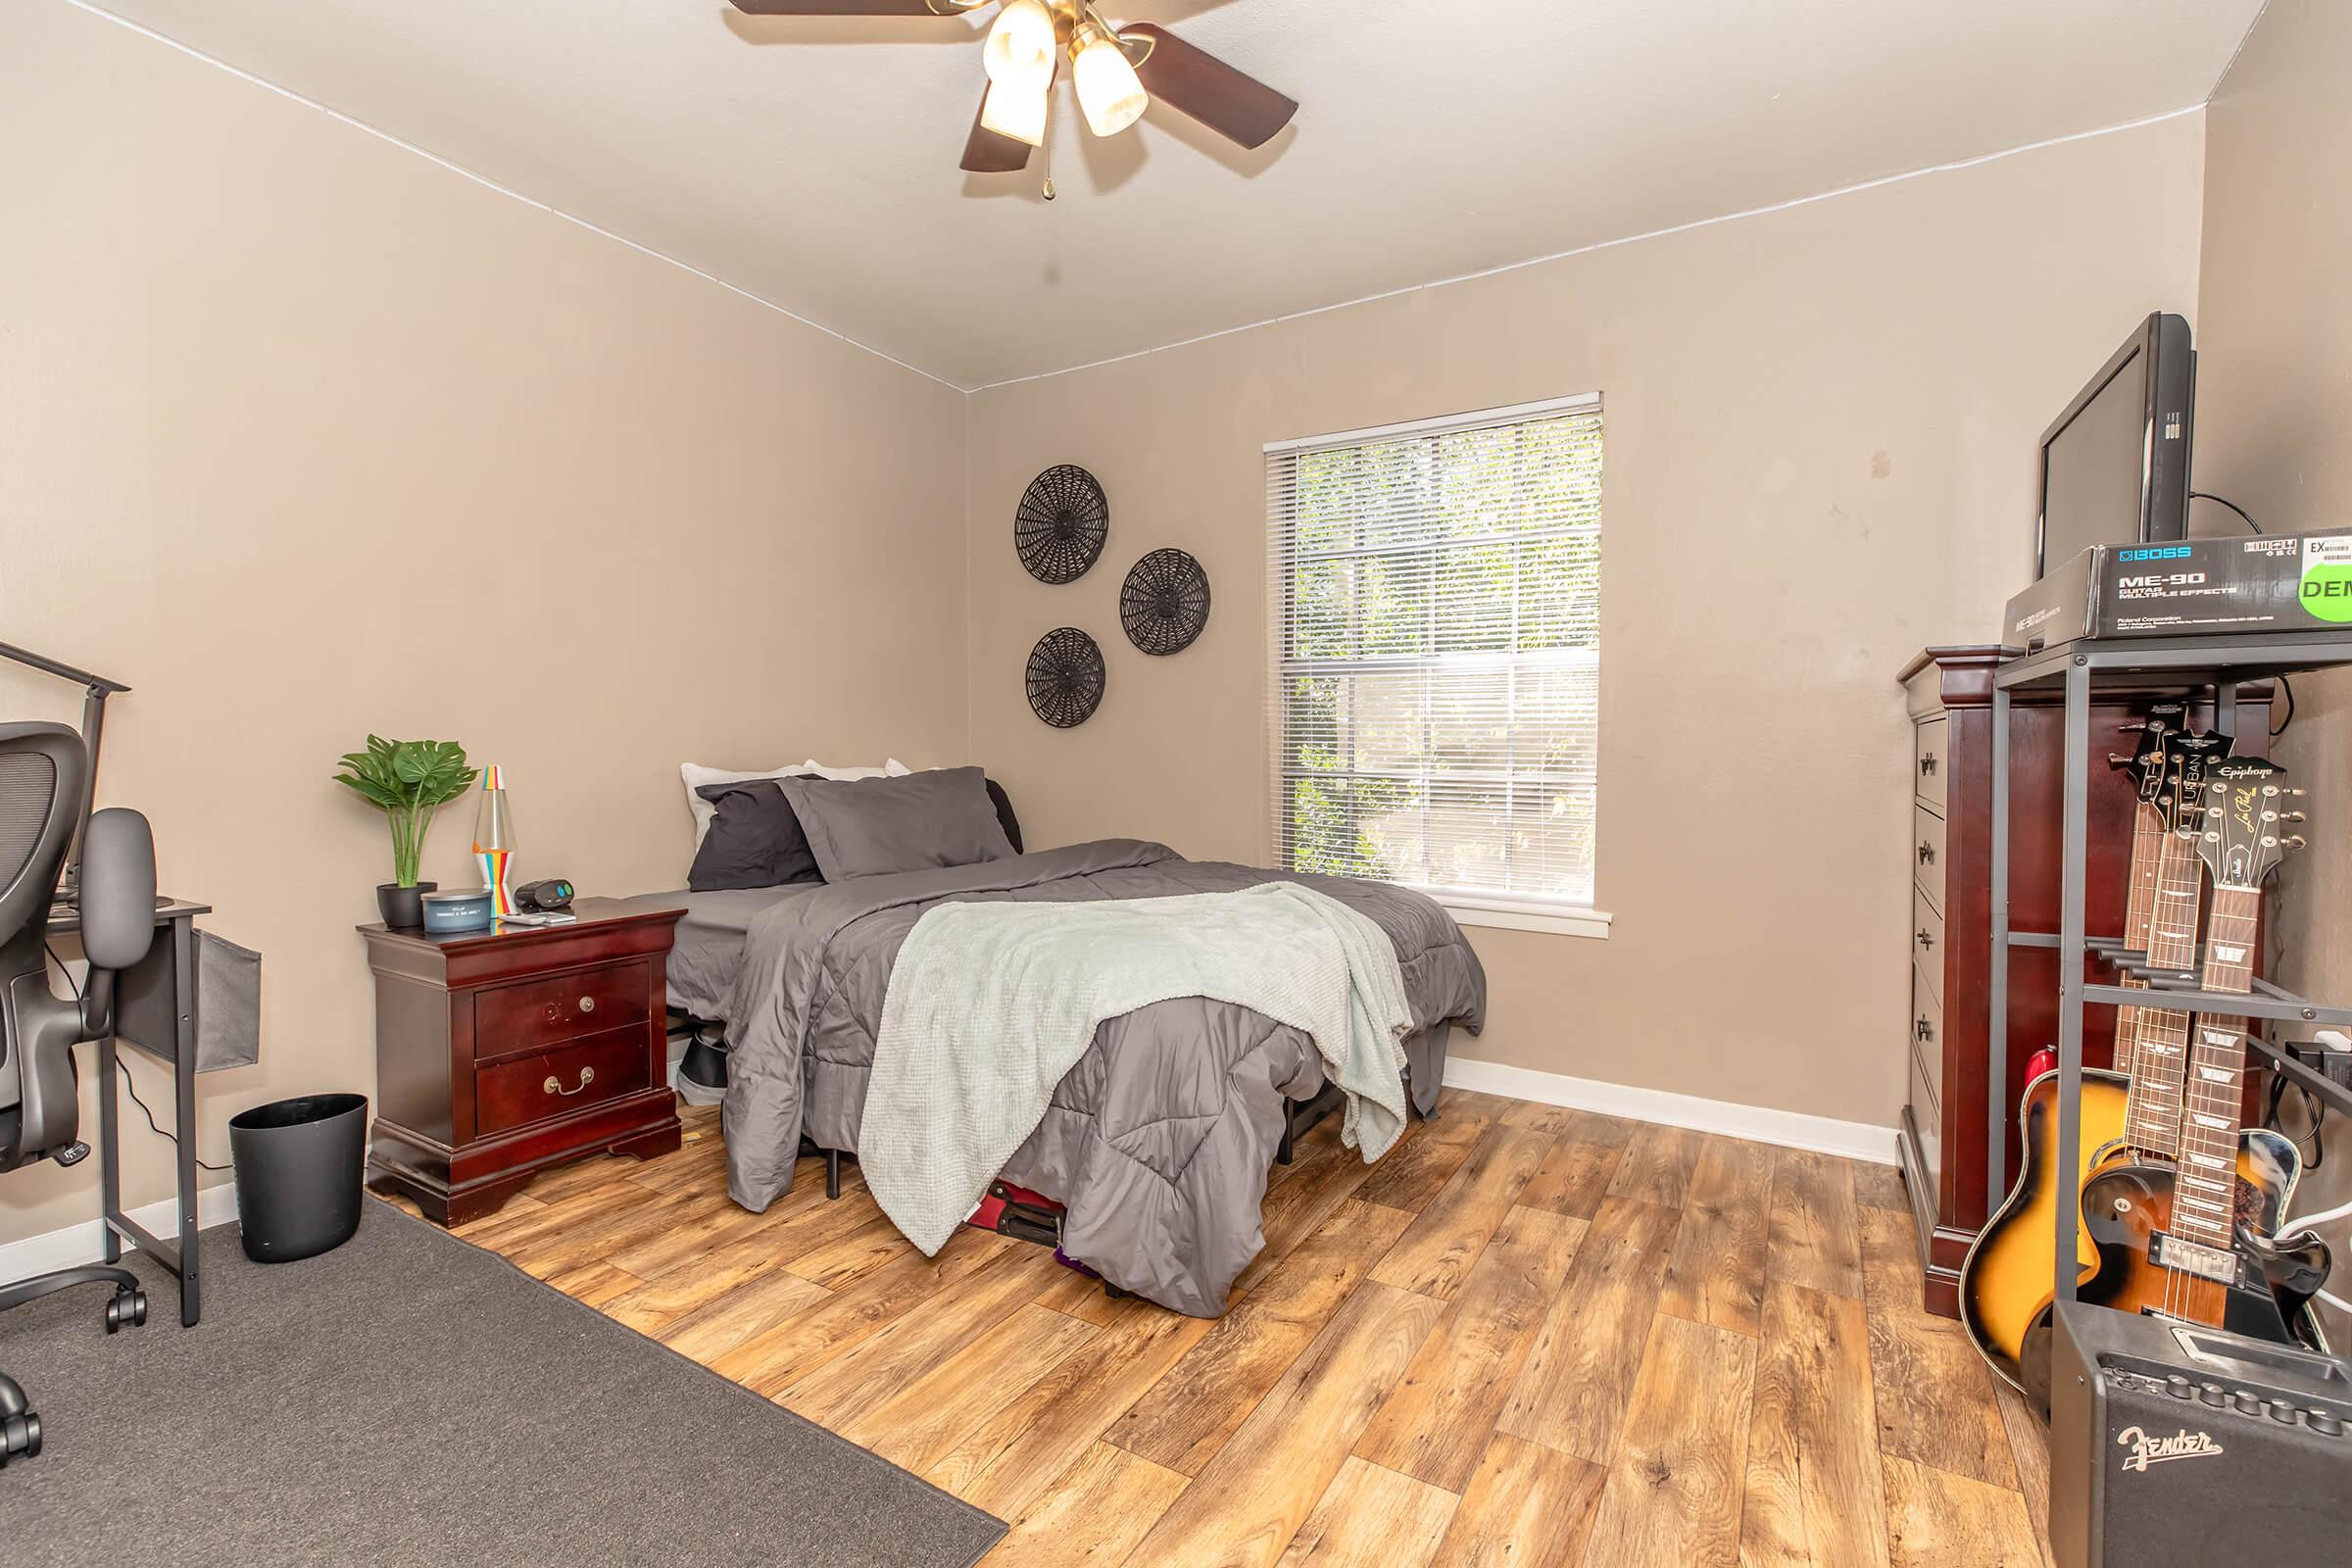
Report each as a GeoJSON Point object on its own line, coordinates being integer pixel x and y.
{"type": "Point", "coordinates": [298, 1165]}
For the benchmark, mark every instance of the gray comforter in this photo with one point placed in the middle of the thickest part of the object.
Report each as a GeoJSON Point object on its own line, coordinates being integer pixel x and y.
{"type": "Point", "coordinates": [1157, 1141]}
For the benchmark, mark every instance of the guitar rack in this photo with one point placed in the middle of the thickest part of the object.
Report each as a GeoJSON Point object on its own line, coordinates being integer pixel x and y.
{"type": "Point", "coordinates": [2218, 664]}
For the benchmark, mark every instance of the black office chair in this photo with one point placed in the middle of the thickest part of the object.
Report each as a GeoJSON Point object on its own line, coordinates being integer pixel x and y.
{"type": "Point", "coordinates": [41, 795]}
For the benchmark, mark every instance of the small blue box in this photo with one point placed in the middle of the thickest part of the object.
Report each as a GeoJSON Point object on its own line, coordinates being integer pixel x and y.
{"type": "Point", "coordinates": [449, 913]}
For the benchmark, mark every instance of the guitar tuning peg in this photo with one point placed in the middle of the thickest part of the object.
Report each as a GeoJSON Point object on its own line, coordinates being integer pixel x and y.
{"type": "Point", "coordinates": [2293, 841]}
{"type": "Point", "coordinates": [2295, 816]}
{"type": "Point", "coordinates": [2117, 760]}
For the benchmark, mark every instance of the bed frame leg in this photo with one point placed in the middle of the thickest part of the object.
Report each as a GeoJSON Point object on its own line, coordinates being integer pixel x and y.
{"type": "Point", "coordinates": [1281, 1154]}
{"type": "Point", "coordinates": [832, 1173]}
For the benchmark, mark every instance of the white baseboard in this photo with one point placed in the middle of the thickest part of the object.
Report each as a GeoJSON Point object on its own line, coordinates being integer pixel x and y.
{"type": "Point", "coordinates": [85, 1243]}
{"type": "Point", "coordinates": [1853, 1140]}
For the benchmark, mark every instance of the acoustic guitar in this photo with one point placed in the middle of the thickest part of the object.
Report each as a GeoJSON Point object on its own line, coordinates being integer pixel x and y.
{"type": "Point", "coordinates": [2006, 1280]}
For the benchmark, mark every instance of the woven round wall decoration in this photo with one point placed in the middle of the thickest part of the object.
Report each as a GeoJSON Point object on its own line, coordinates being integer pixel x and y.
{"type": "Point", "coordinates": [1065, 677]}
{"type": "Point", "coordinates": [1165, 602]}
{"type": "Point", "coordinates": [1062, 523]}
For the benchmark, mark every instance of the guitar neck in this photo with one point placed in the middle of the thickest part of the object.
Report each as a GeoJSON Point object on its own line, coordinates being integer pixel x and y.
{"type": "Point", "coordinates": [2159, 1036]}
{"type": "Point", "coordinates": [2205, 1198]}
{"type": "Point", "coordinates": [2147, 843]}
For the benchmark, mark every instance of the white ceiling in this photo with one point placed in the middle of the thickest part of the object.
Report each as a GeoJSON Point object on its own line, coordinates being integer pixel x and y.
{"type": "Point", "coordinates": [813, 162]}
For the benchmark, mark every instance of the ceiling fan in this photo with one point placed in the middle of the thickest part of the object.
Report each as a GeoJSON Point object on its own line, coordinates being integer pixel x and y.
{"type": "Point", "coordinates": [1117, 71]}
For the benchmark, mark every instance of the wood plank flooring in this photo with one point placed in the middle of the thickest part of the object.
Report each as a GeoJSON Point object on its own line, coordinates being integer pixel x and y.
{"type": "Point", "coordinates": [1528, 1336]}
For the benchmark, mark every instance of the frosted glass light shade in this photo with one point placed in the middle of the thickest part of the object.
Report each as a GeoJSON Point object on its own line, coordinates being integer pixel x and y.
{"type": "Point", "coordinates": [1018, 112]}
{"type": "Point", "coordinates": [1108, 89]}
{"type": "Point", "coordinates": [1020, 51]}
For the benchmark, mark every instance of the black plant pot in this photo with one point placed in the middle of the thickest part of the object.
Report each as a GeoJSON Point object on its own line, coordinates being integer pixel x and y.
{"type": "Point", "coordinates": [403, 909]}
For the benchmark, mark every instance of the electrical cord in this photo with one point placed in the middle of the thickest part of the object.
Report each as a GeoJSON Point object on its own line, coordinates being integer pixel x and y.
{"type": "Point", "coordinates": [2223, 501]}
{"type": "Point", "coordinates": [2285, 686]}
{"type": "Point", "coordinates": [128, 1083]}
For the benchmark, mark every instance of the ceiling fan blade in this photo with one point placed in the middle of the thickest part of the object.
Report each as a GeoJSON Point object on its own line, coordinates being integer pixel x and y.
{"type": "Point", "coordinates": [988, 153]}
{"type": "Point", "coordinates": [837, 8]}
{"type": "Point", "coordinates": [1235, 107]}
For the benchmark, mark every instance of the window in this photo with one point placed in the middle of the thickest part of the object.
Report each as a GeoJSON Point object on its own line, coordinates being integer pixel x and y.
{"type": "Point", "coordinates": [1435, 713]}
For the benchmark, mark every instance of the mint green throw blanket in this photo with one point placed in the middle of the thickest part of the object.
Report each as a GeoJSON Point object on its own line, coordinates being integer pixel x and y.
{"type": "Point", "coordinates": [990, 1004]}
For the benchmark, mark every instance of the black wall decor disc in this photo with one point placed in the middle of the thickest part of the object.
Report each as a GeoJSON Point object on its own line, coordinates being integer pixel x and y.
{"type": "Point", "coordinates": [1061, 524]}
{"type": "Point", "coordinates": [1065, 677]}
{"type": "Point", "coordinates": [1165, 602]}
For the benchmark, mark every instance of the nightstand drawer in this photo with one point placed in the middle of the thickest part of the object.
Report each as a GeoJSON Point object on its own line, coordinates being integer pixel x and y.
{"type": "Point", "coordinates": [553, 1083]}
{"type": "Point", "coordinates": [537, 1013]}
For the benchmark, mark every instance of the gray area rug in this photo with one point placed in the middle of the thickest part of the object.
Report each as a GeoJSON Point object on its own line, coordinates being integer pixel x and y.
{"type": "Point", "coordinates": [411, 1399]}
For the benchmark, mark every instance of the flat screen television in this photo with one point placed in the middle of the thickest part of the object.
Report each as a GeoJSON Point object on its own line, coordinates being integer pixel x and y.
{"type": "Point", "coordinates": [2115, 464]}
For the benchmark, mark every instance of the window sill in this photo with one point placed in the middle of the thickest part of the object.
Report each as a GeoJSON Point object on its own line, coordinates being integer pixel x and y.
{"type": "Point", "coordinates": [1549, 919]}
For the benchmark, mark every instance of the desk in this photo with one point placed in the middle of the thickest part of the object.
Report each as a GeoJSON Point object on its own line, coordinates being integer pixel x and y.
{"type": "Point", "coordinates": [155, 1012]}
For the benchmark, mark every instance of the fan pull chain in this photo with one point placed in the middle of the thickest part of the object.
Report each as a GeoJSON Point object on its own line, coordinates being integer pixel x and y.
{"type": "Point", "coordinates": [1048, 145]}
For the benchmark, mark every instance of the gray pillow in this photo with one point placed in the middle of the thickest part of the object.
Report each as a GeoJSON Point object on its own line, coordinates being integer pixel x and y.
{"type": "Point", "coordinates": [754, 842]}
{"type": "Point", "coordinates": [874, 826]}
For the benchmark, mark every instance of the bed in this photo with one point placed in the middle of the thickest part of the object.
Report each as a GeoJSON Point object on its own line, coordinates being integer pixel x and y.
{"type": "Point", "coordinates": [1158, 1141]}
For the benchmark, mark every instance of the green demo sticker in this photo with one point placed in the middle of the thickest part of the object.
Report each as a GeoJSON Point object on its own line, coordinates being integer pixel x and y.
{"type": "Point", "coordinates": [2326, 589]}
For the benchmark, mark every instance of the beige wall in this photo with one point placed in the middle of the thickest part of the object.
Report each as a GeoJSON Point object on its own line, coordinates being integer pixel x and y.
{"type": "Point", "coordinates": [1821, 433]}
{"type": "Point", "coordinates": [296, 426]}
{"type": "Point", "coordinates": [2274, 420]}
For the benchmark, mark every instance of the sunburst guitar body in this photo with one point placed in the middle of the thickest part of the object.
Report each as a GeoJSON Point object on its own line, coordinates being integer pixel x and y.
{"type": "Point", "coordinates": [2006, 1283]}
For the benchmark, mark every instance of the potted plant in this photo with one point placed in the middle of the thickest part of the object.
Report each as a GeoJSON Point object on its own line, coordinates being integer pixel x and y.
{"type": "Point", "coordinates": [407, 781]}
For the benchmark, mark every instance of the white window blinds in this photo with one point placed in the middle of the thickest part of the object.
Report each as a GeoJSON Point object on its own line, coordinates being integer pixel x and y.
{"type": "Point", "coordinates": [1435, 709]}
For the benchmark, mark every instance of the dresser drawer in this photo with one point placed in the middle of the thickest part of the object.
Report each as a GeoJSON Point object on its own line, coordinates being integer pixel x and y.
{"type": "Point", "coordinates": [554, 1083]}
{"type": "Point", "coordinates": [1930, 749]}
{"type": "Point", "coordinates": [1927, 1116]}
{"type": "Point", "coordinates": [536, 1013]}
{"type": "Point", "coordinates": [1926, 852]}
{"type": "Point", "coordinates": [1926, 940]}
{"type": "Point", "coordinates": [1927, 1029]}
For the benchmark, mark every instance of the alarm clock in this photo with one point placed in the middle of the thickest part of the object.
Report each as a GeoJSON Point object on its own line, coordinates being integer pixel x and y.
{"type": "Point", "coordinates": [544, 898]}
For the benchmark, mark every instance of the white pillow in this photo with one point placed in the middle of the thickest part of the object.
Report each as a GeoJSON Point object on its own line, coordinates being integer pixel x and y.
{"type": "Point", "coordinates": [891, 767]}
{"type": "Point", "coordinates": [696, 776]}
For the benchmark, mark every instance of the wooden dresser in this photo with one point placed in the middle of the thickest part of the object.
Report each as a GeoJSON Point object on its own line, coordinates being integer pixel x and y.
{"type": "Point", "coordinates": [502, 1052]}
{"type": "Point", "coordinates": [1944, 1137]}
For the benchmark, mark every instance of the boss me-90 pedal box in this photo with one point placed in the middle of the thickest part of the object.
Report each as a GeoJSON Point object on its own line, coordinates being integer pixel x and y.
{"type": "Point", "coordinates": [2172, 1444]}
{"type": "Point", "coordinates": [2190, 588]}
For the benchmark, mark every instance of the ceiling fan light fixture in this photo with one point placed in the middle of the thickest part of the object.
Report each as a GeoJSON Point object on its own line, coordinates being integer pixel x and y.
{"type": "Point", "coordinates": [1020, 51]}
{"type": "Point", "coordinates": [1108, 89]}
{"type": "Point", "coordinates": [1017, 110]}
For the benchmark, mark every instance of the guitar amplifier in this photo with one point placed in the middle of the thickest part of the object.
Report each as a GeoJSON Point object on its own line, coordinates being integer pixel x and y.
{"type": "Point", "coordinates": [2175, 1444]}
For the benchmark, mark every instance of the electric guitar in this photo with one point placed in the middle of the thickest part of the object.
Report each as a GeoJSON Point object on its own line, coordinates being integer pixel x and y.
{"type": "Point", "coordinates": [2192, 1240]}
{"type": "Point", "coordinates": [2146, 766]}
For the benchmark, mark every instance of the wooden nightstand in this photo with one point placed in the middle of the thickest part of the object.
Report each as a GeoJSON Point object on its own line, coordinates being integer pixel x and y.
{"type": "Point", "coordinates": [501, 1052]}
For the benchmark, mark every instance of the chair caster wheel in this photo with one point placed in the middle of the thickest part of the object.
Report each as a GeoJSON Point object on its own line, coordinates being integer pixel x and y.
{"type": "Point", "coordinates": [128, 1309]}
{"type": "Point", "coordinates": [20, 1438]}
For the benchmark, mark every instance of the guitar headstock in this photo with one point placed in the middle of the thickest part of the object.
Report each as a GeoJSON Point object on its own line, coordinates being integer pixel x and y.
{"type": "Point", "coordinates": [2145, 764]}
{"type": "Point", "coordinates": [2248, 810]}
{"type": "Point", "coordinates": [2189, 759]}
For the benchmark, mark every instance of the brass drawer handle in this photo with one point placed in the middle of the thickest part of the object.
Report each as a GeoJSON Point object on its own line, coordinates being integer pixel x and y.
{"type": "Point", "coordinates": [552, 1087]}
{"type": "Point", "coordinates": [587, 1004]}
